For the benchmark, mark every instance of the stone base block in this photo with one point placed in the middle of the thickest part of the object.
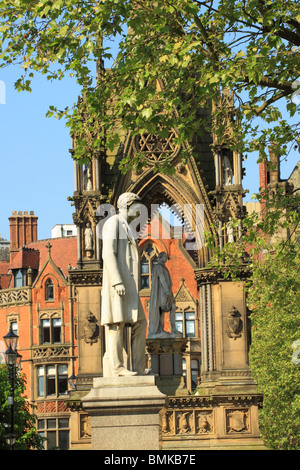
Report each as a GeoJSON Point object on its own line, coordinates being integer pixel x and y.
{"type": "Point", "coordinates": [125, 413]}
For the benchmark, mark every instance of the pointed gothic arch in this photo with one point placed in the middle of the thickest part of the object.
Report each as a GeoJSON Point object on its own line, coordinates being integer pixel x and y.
{"type": "Point", "coordinates": [182, 189]}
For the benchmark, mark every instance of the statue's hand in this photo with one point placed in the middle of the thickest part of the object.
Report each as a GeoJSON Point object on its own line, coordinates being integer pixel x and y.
{"type": "Point", "coordinates": [120, 289]}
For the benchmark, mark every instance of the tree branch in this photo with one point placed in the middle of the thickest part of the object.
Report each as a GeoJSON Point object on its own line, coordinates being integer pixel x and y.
{"type": "Point", "coordinates": [271, 100]}
{"type": "Point", "coordinates": [205, 37]}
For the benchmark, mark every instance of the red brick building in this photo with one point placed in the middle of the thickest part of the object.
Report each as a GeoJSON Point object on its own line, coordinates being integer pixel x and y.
{"type": "Point", "coordinates": [35, 300]}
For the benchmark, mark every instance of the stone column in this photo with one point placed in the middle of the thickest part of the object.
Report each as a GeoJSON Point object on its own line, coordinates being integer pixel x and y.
{"type": "Point", "coordinates": [125, 413]}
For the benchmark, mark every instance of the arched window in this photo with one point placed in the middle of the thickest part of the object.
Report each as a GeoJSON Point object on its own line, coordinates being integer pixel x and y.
{"type": "Point", "coordinates": [19, 277]}
{"type": "Point", "coordinates": [148, 257]}
{"type": "Point", "coordinates": [49, 290]}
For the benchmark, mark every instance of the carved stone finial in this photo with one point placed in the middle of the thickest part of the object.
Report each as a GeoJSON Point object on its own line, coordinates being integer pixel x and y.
{"type": "Point", "coordinates": [49, 246]}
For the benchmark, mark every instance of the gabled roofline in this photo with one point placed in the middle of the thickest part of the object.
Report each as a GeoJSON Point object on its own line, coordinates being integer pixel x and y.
{"type": "Point", "coordinates": [50, 261]}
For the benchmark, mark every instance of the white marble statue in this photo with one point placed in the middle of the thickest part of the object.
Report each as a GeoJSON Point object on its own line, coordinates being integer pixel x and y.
{"type": "Point", "coordinates": [88, 186]}
{"type": "Point", "coordinates": [230, 231]}
{"type": "Point", "coordinates": [161, 301]}
{"type": "Point", "coordinates": [88, 237]}
{"type": "Point", "coordinates": [121, 303]}
{"type": "Point", "coordinates": [227, 171]}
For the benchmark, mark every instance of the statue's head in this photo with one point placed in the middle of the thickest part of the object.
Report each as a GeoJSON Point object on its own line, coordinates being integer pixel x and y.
{"type": "Point", "coordinates": [162, 257]}
{"type": "Point", "coordinates": [129, 204]}
{"type": "Point", "coordinates": [127, 199]}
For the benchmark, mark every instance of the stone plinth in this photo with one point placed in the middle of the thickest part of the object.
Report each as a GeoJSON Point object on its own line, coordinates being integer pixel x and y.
{"type": "Point", "coordinates": [125, 413]}
{"type": "Point", "coordinates": [166, 362]}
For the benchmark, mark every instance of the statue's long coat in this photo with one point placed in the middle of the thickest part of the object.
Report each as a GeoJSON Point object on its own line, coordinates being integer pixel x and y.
{"type": "Point", "coordinates": [161, 285]}
{"type": "Point", "coordinates": [120, 265]}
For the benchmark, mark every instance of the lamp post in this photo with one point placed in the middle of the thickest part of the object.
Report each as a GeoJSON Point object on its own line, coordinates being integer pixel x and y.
{"type": "Point", "coordinates": [13, 361]}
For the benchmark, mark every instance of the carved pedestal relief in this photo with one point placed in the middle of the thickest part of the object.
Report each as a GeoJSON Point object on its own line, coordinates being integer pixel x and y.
{"type": "Point", "coordinates": [204, 422]}
{"type": "Point", "coordinates": [185, 422]}
{"type": "Point", "coordinates": [190, 422]}
{"type": "Point", "coordinates": [90, 329]}
{"type": "Point", "coordinates": [237, 421]}
{"type": "Point", "coordinates": [85, 427]}
{"type": "Point", "coordinates": [234, 325]}
{"type": "Point", "coordinates": [167, 423]}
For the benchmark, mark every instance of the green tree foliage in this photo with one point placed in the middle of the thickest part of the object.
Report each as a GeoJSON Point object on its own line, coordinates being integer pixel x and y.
{"type": "Point", "coordinates": [268, 256]}
{"type": "Point", "coordinates": [275, 300]}
{"type": "Point", "coordinates": [196, 48]}
{"type": "Point", "coordinates": [24, 419]}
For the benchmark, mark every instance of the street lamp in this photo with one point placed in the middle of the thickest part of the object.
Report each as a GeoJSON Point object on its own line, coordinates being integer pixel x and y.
{"type": "Point", "coordinates": [13, 361]}
{"type": "Point", "coordinates": [11, 339]}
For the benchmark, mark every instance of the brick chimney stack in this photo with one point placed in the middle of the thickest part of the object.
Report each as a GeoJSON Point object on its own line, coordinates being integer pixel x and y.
{"type": "Point", "coordinates": [23, 230]}
{"type": "Point", "coordinates": [263, 175]}
{"type": "Point", "coordinates": [263, 182]}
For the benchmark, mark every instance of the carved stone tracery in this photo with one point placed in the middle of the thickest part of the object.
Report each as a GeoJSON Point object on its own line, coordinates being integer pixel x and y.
{"type": "Point", "coordinates": [156, 149]}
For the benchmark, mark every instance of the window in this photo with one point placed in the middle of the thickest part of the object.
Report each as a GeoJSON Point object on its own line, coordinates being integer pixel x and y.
{"type": "Point", "coordinates": [51, 330]}
{"type": "Point", "coordinates": [14, 327]}
{"type": "Point", "coordinates": [179, 321]}
{"type": "Point", "coordinates": [190, 324]}
{"type": "Point", "coordinates": [194, 372]}
{"type": "Point", "coordinates": [52, 380]}
{"type": "Point", "coordinates": [148, 257]}
{"type": "Point", "coordinates": [56, 431]}
{"type": "Point", "coordinates": [184, 370]}
{"type": "Point", "coordinates": [185, 323]}
{"type": "Point", "coordinates": [49, 290]}
{"type": "Point", "coordinates": [19, 277]}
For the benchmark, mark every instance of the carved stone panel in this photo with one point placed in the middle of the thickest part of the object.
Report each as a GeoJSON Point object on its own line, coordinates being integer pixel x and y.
{"type": "Point", "coordinates": [204, 422]}
{"type": "Point", "coordinates": [90, 329]}
{"type": "Point", "coordinates": [185, 422]}
{"type": "Point", "coordinates": [85, 426]}
{"type": "Point", "coordinates": [238, 421]}
{"type": "Point", "coordinates": [167, 423]}
{"type": "Point", "coordinates": [234, 323]}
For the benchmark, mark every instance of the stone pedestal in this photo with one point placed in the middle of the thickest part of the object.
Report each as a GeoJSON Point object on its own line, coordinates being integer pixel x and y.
{"type": "Point", "coordinates": [125, 413]}
{"type": "Point", "coordinates": [166, 362]}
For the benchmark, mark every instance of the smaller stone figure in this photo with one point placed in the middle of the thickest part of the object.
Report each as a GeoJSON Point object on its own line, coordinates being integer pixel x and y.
{"type": "Point", "coordinates": [88, 237]}
{"type": "Point", "coordinates": [227, 171]}
{"type": "Point", "coordinates": [161, 301]}
{"type": "Point", "coordinates": [230, 231]}
{"type": "Point", "coordinates": [88, 186]}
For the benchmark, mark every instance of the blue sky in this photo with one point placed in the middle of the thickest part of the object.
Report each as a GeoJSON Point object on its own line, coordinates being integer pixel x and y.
{"type": "Point", "coordinates": [36, 166]}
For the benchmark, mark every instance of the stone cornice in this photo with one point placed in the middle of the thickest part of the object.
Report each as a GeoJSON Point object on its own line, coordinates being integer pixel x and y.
{"type": "Point", "coordinates": [213, 275]}
{"type": "Point", "coordinates": [86, 277]}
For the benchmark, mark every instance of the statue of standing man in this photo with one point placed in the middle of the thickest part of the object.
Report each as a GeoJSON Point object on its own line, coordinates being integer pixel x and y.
{"type": "Point", "coordinates": [121, 303]}
{"type": "Point", "coordinates": [161, 301]}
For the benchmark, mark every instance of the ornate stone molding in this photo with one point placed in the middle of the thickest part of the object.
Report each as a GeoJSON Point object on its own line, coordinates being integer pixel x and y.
{"type": "Point", "coordinates": [50, 353]}
{"type": "Point", "coordinates": [86, 277]}
{"type": "Point", "coordinates": [161, 346]}
{"type": "Point", "coordinates": [19, 296]}
{"type": "Point", "coordinates": [208, 417]}
{"type": "Point", "coordinates": [212, 275]}
{"type": "Point", "coordinates": [209, 400]}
